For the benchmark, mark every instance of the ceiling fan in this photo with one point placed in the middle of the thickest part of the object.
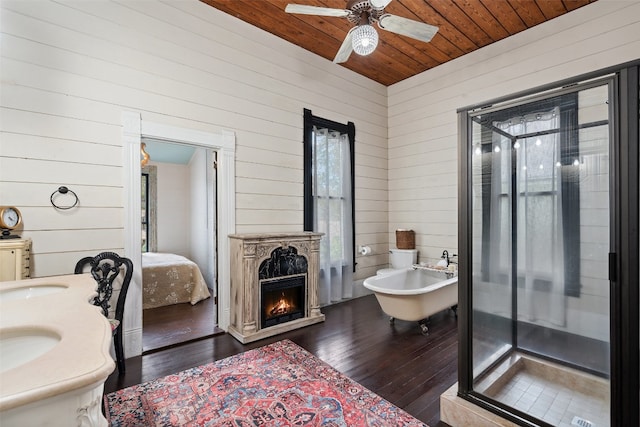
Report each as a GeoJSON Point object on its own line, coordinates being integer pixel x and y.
{"type": "Point", "coordinates": [363, 38]}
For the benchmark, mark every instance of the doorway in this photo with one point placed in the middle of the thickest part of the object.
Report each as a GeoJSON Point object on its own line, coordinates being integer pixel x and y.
{"type": "Point", "coordinates": [223, 143]}
{"type": "Point", "coordinates": [178, 243]}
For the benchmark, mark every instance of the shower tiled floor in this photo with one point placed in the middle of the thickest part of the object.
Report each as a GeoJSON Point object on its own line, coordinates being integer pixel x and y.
{"type": "Point", "coordinates": [551, 402]}
{"type": "Point", "coordinates": [550, 393]}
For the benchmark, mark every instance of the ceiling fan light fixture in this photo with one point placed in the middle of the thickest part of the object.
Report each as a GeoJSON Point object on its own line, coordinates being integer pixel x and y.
{"type": "Point", "coordinates": [364, 39]}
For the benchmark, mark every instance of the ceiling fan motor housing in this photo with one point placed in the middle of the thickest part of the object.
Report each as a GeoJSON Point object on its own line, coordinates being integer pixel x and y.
{"type": "Point", "coordinates": [360, 7]}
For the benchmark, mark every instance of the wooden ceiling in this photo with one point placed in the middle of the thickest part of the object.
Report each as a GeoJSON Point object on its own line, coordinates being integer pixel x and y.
{"type": "Point", "coordinates": [464, 26]}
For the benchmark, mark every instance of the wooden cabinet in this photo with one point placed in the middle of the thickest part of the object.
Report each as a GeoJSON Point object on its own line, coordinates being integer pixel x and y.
{"type": "Point", "coordinates": [15, 256]}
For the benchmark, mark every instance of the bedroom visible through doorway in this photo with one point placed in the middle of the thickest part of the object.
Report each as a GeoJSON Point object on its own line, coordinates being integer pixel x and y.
{"type": "Point", "coordinates": [178, 239]}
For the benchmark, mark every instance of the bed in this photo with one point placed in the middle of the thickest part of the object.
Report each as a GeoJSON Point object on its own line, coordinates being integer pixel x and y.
{"type": "Point", "coordinates": [171, 279]}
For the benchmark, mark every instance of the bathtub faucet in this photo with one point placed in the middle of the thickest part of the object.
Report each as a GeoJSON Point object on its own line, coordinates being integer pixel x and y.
{"type": "Point", "coordinates": [448, 258]}
{"type": "Point", "coordinates": [445, 256]}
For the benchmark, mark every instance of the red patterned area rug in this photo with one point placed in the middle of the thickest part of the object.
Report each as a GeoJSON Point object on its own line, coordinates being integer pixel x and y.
{"type": "Point", "coordinates": [280, 384]}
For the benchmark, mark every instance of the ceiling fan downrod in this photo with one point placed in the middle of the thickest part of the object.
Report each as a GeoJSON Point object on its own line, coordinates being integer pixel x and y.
{"type": "Point", "coordinates": [358, 8]}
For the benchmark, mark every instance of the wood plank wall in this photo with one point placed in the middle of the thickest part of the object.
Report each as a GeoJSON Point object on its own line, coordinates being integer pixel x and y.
{"type": "Point", "coordinates": [423, 123]}
{"type": "Point", "coordinates": [69, 68]}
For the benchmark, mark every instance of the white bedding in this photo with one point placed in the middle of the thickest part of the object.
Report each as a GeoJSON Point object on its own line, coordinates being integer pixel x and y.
{"type": "Point", "coordinates": [155, 259]}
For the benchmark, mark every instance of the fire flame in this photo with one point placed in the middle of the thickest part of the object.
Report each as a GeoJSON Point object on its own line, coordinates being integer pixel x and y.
{"type": "Point", "coordinates": [281, 307]}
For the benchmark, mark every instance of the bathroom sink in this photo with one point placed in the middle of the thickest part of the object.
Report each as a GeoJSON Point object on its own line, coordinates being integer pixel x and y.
{"type": "Point", "coordinates": [29, 292]}
{"type": "Point", "coordinates": [19, 346]}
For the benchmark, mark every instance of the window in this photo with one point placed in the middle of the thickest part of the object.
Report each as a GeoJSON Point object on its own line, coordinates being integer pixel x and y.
{"type": "Point", "coordinates": [144, 191]}
{"type": "Point", "coordinates": [148, 181]}
{"type": "Point", "coordinates": [328, 202]}
{"type": "Point", "coordinates": [531, 149]}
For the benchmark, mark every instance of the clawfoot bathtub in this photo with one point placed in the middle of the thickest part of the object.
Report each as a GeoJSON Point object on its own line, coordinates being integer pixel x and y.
{"type": "Point", "coordinates": [413, 294]}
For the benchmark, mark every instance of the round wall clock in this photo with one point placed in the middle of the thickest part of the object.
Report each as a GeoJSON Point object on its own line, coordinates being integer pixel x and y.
{"type": "Point", "coordinates": [10, 218]}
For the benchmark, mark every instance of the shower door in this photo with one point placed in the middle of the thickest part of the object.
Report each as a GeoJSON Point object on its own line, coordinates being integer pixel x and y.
{"type": "Point", "coordinates": [540, 243]}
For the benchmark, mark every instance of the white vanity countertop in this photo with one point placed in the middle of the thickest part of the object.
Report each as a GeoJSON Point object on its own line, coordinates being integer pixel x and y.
{"type": "Point", "coordinates": [80, 359]}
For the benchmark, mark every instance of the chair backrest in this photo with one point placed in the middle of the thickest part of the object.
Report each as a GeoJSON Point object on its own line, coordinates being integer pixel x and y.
{"type": "Point", "coordinates": [105, 268]}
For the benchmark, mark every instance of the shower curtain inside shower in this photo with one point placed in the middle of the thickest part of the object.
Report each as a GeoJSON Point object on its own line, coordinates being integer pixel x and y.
{"type": "Point", "coordinates": [526, 214]}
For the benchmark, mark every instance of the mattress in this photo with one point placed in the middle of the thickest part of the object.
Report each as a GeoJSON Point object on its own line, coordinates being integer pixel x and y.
{"type": "Point", "coordinates": [171, 279]}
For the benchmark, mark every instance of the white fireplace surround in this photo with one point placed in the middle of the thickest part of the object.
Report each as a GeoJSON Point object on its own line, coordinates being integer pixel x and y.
{"type": "Point", "coordinates": [248, 251]}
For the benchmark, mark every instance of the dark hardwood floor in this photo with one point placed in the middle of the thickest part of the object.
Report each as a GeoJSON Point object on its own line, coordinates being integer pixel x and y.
{"type": "Point", "coordinates": [176, 324]}
{"type": "Point", "coordinates": [395, 361]}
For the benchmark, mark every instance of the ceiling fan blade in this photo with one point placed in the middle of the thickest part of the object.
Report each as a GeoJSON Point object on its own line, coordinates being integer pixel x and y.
{"type": "Point", "coordinates": [379, 4]}
{"type": "Point", "coordinates": [315, 10]}
{"type": "Point", "coordinates": [407, 27]}
{"type": "Point", "coordinates": [345, 49]}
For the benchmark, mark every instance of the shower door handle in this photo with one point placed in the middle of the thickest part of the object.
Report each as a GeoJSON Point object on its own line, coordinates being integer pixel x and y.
{"type": "Point", "coordinates": [612, 267]}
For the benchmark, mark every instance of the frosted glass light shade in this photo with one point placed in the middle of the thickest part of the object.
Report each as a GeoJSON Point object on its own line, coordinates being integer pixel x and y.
{"type": "Point", "coordinates": [364, 39]}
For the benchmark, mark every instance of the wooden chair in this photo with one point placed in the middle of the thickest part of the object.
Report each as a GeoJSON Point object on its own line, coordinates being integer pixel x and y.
{"type": "Point", "coordinates": [105, 268]}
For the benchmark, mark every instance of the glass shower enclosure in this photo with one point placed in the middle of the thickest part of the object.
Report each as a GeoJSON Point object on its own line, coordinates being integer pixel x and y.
{"type": "Point", "coordinates": [538, 212]}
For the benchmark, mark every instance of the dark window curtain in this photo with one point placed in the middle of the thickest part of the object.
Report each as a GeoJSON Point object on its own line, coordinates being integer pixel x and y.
{"type": "Point", "coordinates": [328, 201]}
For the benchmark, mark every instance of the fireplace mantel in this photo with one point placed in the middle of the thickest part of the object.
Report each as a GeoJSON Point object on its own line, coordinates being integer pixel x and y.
{"type": "Point", "coordinates": [248, 251]}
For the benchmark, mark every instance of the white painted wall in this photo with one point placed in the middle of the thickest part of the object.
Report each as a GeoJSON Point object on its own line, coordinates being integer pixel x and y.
{"type": "Point", "coordinates": [423, 137]}
{"type": "Point", "coordinates": [200, 233]}
{"type": "Point", "coordinates": [589, 314]}
{"type": "Point", "coordinates": [70, 68]}
{"type": "Point", "coordinates": [173, 208]}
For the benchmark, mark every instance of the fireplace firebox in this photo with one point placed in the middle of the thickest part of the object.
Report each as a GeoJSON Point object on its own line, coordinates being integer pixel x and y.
{"type": "Point", "coordinates": [283, 299]}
